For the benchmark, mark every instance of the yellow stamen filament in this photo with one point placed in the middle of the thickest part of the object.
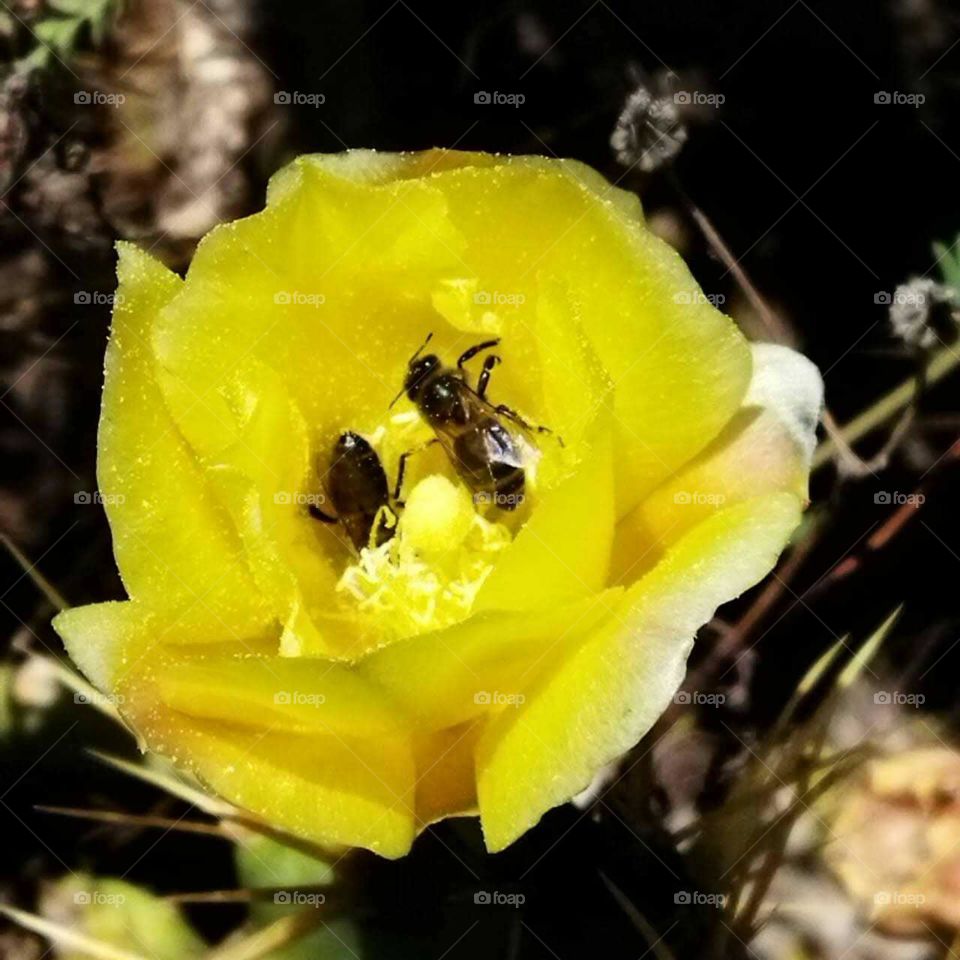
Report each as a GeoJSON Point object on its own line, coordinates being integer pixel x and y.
{"type": "Point", "coordinates": [428, 575]}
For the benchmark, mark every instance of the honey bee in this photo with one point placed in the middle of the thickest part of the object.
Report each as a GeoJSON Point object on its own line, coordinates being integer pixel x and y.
{"type": "Point", "coordinates": [487, 453]}
{"type": "Point", "coordinates": [357, 486]}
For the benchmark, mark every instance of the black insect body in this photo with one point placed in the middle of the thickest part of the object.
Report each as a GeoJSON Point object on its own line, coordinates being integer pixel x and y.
{"type": "Point", "coordinates": [357, 486]}
{"type": "Point", "coordinates": [486, 453]}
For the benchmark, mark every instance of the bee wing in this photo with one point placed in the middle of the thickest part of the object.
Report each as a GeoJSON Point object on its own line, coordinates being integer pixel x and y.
{"type": "Point", "coordinates": [456, 443]}
{"type": "Point", "coordinates": [501, 446]}
{"type": "Point", "coordinates": [504, 442]}
{"type": "Point", "coordinates": [486, 453]}
{"type": "Point", "coordinates": [483, 449]}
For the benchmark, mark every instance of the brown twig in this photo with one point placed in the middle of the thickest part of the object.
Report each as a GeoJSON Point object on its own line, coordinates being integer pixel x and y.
{"type": "Point", "coordinates": [889, 529]}
{"type": "Point", "coordinates": [137, 820]}
{"type": "Point", "coordinates": [849, 462]}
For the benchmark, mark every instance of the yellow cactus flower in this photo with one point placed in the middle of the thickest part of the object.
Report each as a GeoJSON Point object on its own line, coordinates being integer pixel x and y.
{"type": "Point", "coordinates": [475, 659]}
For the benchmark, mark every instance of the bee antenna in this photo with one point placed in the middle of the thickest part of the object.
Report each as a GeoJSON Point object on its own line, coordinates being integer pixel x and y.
{"type": "Point", "coordinates": [419, 350]}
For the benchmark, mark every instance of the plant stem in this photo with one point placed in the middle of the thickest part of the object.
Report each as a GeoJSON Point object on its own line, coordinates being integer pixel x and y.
{"type": "Point", "coordinates": [942, 362]}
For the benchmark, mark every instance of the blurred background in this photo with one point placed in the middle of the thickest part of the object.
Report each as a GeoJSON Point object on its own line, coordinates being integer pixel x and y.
{"type": "Point", "coordinates": [809, 180]}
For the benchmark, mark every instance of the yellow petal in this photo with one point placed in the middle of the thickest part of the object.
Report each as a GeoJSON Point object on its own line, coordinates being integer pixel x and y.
{"type": "Point", "coordinates": [265, 478]}
{"type": "Point", "coordinates": [373, 167]}
{"type": "Point", "coordinates": [765, 448]}
{"type": "Point", "coordinates": [173, 543]}
{"type": "Point", "coordinates": [680, 367]}
{"type": "Point", "coordinates": [299, 696]}
{"type": "Point", "coordinates": [100, 637]}
{"type": "Point", "coordinates": [330, 285]}
{"type": "Point", "coordinates": [445, 678]}
{"type": "Point", "coordinates": [576, 389]}
{"type": "Point", "coordinates": [598, 700]}
{"type": "Point", "coordinates": [112, 642]}
{"type": "Point", "coordinates": [350, 781]}
{"type": "Point", "coordinates": [446, 781]}
{"type": "Point", "coordinates": [562, 552]}
{"type": "Point", "coordinates": [330, 790]}
{"type": "Point", "coordinates": [275, 671]}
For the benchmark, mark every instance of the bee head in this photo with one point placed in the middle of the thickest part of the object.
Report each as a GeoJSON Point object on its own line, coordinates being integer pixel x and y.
{"type": "Point", "coordinates": [348, 443]}
{"type": "Point", "coordinates": [418, 373]}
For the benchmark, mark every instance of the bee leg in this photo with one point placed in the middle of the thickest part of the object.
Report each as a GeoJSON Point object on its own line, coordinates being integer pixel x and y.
{"type": "Point", "coordinates": [318, 514]}
{"type": "Point", "coordinates": [402, 468]}
{"type": "Point", "coordinates": [385, 526]}
{"type": "Point", "coordinates": [483, 381]}
{"type": "Point", "coordinates": [474, 350]}
{"type": "Point", "coordinates": [505, 411]}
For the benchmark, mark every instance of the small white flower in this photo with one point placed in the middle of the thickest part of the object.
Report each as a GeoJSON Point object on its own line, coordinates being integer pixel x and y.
{"type": "Point", "coordinates": [922, 312]}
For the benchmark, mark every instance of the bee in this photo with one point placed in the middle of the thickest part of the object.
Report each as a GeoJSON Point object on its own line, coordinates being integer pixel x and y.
{"type": "Point", "coordinates": [357, 485]}
{"type": "Point", "coordinates": [487, 453]}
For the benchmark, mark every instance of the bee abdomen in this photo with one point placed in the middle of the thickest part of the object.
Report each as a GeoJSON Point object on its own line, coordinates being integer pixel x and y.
{"type": "Point", "coordinates": [508, 492]}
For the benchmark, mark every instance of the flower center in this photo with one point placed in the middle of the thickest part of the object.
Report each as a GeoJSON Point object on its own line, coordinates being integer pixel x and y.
{"type": "Point", "coordinates": [445, 543]}
{"type": "Point", "coordinates": [428, 574]}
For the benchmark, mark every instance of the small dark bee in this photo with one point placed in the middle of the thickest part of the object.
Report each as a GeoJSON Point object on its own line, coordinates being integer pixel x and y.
{"type": "Point", "coordinates": [357, 485]}
{"type": "Point", "coordinates": [486, 453]}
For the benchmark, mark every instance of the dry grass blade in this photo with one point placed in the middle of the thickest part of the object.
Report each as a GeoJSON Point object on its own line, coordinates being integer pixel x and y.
{"type": "Point", "coordinates": [56, 599]}
{"type": "Point", "coordinates": [942, 362]}
{"type": "Point", "coordinates": [774, 852]}
{"type": "Point", "coordinates": [837, 765]}
{"type": "Point", "coordinates": [261, 943]}
{"type": "Point", "coordinates": [215, 807]}
{"type": "Point", "coordinates": [138, 820]}
{"type": "Point", "coordinates": [655, 940]}
{"type": "Point", "coordinates": [62, 936]}
{"type": "Point", "coordinates": [807, 684]}
{"type": "Point", "coordinates": [860, 661]}
{"type": "Point", "coordinates": [792, 759]}
{"type": "Point", "coordinates": [171, 784]}
{"type": "Point", "coordinates": [88, 693]}
{"type": "Point", "coordinates": [863, 657]}
{"type": "Point", "coordinates": [255, 895]}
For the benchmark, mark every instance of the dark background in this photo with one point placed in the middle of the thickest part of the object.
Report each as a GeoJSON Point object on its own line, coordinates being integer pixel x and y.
{"type": "Point", "coordinates": [828, 197]}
